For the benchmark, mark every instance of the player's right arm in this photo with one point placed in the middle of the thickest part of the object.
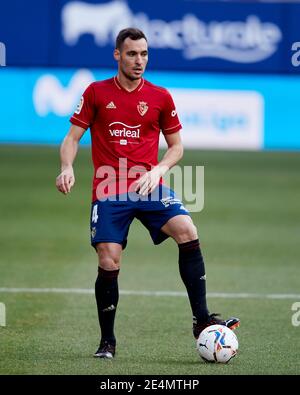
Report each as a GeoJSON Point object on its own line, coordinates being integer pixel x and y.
{"type": "Point", "coordinates": [68, 150]}
{"type": "Point", "coordinates": [81, 121]}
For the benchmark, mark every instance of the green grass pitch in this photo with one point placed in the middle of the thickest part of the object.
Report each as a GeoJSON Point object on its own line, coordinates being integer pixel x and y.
{"type": "Point", "coordinates": [249, 230]}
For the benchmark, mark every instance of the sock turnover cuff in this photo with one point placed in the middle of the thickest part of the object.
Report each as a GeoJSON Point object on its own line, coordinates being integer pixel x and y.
{"type": "Point", "coordinates": [109, 274]}
{"type": "Point", "coordinates": [189, 245]}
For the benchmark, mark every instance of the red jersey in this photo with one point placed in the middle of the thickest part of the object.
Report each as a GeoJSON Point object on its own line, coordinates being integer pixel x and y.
{"type": "Point", "coordinates": [125, 128]}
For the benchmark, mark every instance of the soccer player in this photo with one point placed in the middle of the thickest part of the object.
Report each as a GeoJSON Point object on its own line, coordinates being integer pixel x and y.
{"type": "Point", "coordinates": [126, 114]}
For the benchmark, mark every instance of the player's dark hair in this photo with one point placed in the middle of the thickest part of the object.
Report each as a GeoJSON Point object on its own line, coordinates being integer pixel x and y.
{"type": "Point", "coordinates": [132, 33]}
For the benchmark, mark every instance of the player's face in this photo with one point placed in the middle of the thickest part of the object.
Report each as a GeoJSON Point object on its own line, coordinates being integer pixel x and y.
{"type": "Point", "coordinates": [132, 58]}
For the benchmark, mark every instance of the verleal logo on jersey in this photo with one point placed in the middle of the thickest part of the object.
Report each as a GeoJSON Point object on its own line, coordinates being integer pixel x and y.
{"type": "Point", "coordinates": [79, 105]}
{"type": "Point", "coordinates": [120, 129]}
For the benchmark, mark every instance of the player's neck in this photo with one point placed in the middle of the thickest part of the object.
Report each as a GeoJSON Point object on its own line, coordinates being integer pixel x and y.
{"type": "Point", "coordinates": [126, 83]}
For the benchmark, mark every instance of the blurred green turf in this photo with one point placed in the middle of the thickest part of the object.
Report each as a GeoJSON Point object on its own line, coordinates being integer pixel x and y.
{"type": "Point", "coordinates": [249, 230]}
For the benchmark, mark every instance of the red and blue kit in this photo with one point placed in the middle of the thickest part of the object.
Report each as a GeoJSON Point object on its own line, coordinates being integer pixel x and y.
{"type": "Point", "coordinates": [125, 128]}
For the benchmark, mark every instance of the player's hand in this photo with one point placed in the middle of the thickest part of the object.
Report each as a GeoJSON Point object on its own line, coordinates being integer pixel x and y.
{"type": "Point", "coordinates": [65, 181]}
{"type": "Point", "coordinates": [149, 181]}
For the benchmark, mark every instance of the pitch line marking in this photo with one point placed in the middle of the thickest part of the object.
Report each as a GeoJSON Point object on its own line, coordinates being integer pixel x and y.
{"type": "Point", "coordinates": [86, 291]}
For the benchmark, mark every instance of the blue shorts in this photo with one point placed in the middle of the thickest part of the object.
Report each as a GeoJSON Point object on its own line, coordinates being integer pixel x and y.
{"type": "Point", "coordinates": [111, 218]}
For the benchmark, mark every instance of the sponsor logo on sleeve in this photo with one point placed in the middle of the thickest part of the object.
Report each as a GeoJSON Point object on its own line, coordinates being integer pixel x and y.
{"type": "Point", "coordinates": [79, 106]}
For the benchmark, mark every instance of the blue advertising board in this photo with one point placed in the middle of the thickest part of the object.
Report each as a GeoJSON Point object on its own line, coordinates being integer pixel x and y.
{"type": "Point", "coordinates": [182, 35]}
{"type": "Point", "coordinates": [217, 111]}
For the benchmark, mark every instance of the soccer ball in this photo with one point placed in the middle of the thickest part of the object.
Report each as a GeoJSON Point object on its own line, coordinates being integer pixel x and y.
{"type": "Point", "coordinates": [217, 343]}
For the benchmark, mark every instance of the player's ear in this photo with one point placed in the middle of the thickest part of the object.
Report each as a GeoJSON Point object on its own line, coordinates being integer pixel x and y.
{"type": "Point", "coordinates": [117, 54]}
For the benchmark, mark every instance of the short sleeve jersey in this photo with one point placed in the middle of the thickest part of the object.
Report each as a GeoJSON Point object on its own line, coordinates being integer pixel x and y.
{"type": "Point", "coordinates": [125, 128]}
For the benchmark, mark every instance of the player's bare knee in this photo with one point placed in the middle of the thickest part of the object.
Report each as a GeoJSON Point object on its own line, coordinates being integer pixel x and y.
{"type": "Point", "coordinates": [107, 262]}
{"type": "Point", "coordinates": [108, 258]}
{"type": "Point", "coordinates": [188, 232]}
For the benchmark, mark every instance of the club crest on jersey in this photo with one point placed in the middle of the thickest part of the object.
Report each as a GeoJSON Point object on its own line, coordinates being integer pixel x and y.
{"type": "Point", "coordinates": [142, 108]}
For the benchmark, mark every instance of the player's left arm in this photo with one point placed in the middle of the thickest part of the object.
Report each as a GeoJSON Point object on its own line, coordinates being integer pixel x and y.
{"type": "Point", "coordinates": [150, 180]}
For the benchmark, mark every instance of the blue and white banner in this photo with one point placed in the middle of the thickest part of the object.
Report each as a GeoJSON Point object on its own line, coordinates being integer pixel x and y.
{"type": "Point", "coordinates": [217, 111]}
{"type": "Point", "coordinates": [182, 35]}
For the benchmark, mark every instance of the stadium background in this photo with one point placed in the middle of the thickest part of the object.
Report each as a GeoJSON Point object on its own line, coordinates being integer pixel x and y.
{"type": "Point", "coordinates": [233, 69]}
